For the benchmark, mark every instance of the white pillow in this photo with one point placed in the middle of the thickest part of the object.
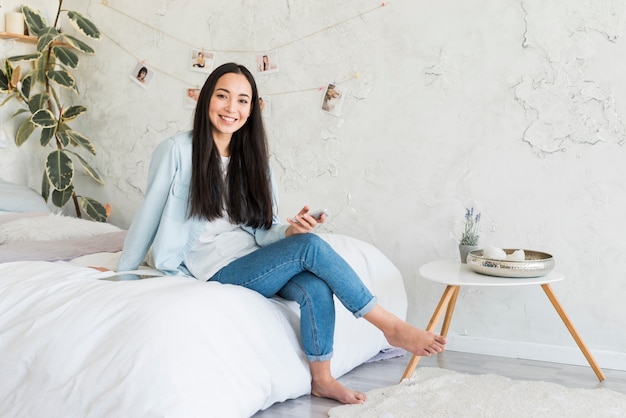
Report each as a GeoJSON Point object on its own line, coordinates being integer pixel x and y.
{"type": "Point", "coordinates": [16, 198]}
{"type": "Point", "coordinates": [50, 228]}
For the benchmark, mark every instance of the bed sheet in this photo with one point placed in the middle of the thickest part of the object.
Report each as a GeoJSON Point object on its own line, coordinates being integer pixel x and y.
{"type": "Point", "coordinates": [75, 346]}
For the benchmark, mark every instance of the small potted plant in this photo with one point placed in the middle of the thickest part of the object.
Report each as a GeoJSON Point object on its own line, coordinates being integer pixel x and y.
{"type": "Point", "coordinates": [469, 237]}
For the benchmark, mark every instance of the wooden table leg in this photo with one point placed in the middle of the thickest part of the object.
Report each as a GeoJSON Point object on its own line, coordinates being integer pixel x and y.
{"type": "Point", "coordinates": [449, 312]}
{"type": "Point", "coordinates": [444, 303]}
{"type": "Point", "coordinates": [592, 362]}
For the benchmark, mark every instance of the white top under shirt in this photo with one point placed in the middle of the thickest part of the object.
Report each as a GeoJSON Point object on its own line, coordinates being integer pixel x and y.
{"type": "Point", "coordinates": [221, 243]}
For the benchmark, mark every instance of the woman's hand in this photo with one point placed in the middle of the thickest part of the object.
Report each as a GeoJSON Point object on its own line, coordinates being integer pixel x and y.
{"type": "Point", "coordinates": [303, 223]}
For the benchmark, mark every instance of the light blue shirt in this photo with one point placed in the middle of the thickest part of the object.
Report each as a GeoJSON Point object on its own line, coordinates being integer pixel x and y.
{"type": "Point", "coordinates": [162, 222]}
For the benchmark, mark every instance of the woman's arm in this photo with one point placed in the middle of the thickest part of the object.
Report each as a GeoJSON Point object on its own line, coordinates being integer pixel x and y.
{"type": "Point", "coordinates": [163, 166]}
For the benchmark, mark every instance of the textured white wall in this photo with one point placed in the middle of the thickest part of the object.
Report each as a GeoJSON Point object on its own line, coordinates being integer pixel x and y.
{"type": "Point", "coordinates": [512, 107]}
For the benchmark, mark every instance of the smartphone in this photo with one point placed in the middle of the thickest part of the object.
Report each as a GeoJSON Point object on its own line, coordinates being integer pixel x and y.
{"type": "Point", "coordinates": [318, 214]}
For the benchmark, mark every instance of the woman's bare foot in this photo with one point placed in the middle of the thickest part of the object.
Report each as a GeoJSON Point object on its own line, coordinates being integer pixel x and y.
{"type": "Point", "coordinates": [334, 390]}
{"type": "Point", "coordinates": [415, 340]}
{"type": "Point", "coordinates": [324, 385]}
{"type": "Point", "coordinates": [404, 335]}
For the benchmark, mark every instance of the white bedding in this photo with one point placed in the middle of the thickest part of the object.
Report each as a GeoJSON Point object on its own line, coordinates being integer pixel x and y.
{"type": "Point", "coordinates": [75, 346]}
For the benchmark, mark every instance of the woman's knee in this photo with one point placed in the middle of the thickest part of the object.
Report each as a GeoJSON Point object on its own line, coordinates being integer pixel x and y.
{"type": "Point", "coordinates": [308, 289]}
{"type": "Point", "coordinates": [311, 242]}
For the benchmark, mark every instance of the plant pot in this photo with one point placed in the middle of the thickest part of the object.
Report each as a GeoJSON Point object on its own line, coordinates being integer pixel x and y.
{"type": "Point", "coordinates": [464, 250]}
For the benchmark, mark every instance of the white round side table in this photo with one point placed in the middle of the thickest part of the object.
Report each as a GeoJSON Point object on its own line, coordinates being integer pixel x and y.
{"type": "Point", "coordinates": [455, 274]}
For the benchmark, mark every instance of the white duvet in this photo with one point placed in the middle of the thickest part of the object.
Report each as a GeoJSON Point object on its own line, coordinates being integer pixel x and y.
{"type": "Point", "coordinates": [75, 346]}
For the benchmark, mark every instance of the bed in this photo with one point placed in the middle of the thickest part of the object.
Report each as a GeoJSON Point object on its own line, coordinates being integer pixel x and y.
{"type": "Point", "coordinates": [76, 342]}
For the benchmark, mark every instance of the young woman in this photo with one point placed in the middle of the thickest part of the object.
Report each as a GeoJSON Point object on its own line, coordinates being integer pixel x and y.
{"type": "Point", "coordinates": [210, 212]}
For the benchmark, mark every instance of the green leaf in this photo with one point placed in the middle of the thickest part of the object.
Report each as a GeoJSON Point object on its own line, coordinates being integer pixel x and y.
{"type": "Point", "coordinates": [89, 169]}
{"type": "Point", "coordinates": [13, 95]}
{"type": "Point", "coordinates": [66, 56]}
{"type": "Point", "coordinates": [18, 112]}
{"type": "Point", "coordinates": [4, 82]}
{"type": "Point", "coordinates": [93, 209]}
{"type": "Point", "coordinates": [46, 37]}
{"type": "Point", "coordinates": [26, 85]}
{"type": "Point", "coordinates": [34, 19]}
{"type": "Point", "coordinates": [73, 112]}
{"type": "Point", "coordinates": [78, 44]}
{"type": "Point", "coordinates": [45, 186]}
{"type": "Point", "coordinates": [46, 135]}
{"type": "Point", "coordinates": [62, 77]}
{"type": "Point", "coordinates": [39, 68]}
{"type": "Point", "coordinates": [61, 197]}
{"type": "Point", "coordinates": [82, 140]}
{"type": "Point", "coordinates": [44, 118]}
{"type": "Point", "coordinates": [38, 101]}
{"type": "Point", "coordinates": [27, 57]}
{"type": "Point", "coordinates": [8, 69]}
{"type": "Point", "coordinates": [62, 135]}
{"type": "Point", "coordinates": [63, 138]}
{"type": "Point", "coordinates": [84, 25]}
{"type": "Point", "coordinates": [24, 132]}
{"type": "Point", "coordinates": [55, 96]}
{"type": "Point", "coordinates": [60, 169]}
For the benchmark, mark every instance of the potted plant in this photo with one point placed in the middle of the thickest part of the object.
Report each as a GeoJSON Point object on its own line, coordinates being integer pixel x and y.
{"type": "Point", "coordinates": [469, 237]}
{"type": "Point", "coordinates": [39, 92]}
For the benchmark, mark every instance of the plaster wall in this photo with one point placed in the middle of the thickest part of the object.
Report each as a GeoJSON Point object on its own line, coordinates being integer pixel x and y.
{"type": "Point", "coordinates": [515, 108]}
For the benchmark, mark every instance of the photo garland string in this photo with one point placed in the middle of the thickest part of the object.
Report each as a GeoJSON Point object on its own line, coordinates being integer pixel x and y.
{"type": "Point", "coordinates": [201, 60]}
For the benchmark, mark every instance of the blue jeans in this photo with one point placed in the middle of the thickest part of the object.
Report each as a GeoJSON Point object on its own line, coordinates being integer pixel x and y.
{"type": "Point", "coordinates": [303, 268]}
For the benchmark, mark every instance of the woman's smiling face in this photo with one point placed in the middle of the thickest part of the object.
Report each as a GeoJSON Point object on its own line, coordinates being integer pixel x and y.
{"type": "Point", "coordinates": [230, 105]}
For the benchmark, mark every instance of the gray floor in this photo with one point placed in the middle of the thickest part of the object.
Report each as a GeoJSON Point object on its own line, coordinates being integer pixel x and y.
{"type": "Point", "coordinates": [388, 372]}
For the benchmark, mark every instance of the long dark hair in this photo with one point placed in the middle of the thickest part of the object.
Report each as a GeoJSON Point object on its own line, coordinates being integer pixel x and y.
{"type": "Point", "coordinates": [246, 193]}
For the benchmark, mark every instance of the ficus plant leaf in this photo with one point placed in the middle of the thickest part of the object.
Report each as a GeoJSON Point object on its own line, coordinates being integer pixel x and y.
{"type": "Point", "coordinates": [11, 96]}
{"type": "Point", "coordinates": [84, 25]}
{"type": "Point", "coordinates": [46, 37]}
{"type": "Point", "coordinates": [18, 112]}
{"type": "Point", "coordinates": [39, 67]}
{"type": "Point", "coordinates": [46, 135]}
{"type": "Point", "coordinates": [27, 83]}
{"type": "Point", "coordinates": [24, 132]}
{"type": "Point", "coordinates": [4, 82]}
{"type": "Point", "coordinates": [94, 209]}
{"type": "Point", "coordinates": [44, 118]}
{"type": "Point", "coordinates": [82, 140]}
{"type": "Point", "coordinates": [16, 76]}
{"type": "Point", "coordinates": [62, 78]}
{"type": "Point", "coordinates": [78, 44]}
{"type": "Point", "coordinates": [45, 186]}
{"type": "Point", "coordinates": [61, 197]}
{"type": "Point", "coordinates": [66, 56]}
{"type": "Point", "coordinates": [27, 57]}
{"type": "Point", "coordinates": [38, 101]}
{"type": "Point", "coordinates": [73, 112]}
{"type": "Point", "coordinates": [60, 169]}
{"type": "Point", "coordinates": [34, 20]}
{"type": "Point", "coordinates": [89, 169]}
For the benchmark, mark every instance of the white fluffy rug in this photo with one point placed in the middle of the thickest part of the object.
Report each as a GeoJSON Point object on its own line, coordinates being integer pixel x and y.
{"type": "Point", "coordinates": [433, 392]}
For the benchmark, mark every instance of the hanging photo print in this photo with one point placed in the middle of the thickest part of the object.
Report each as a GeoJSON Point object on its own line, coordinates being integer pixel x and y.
{"type": "Point", "coordinates": [333, 100]}
{"type": "Point", "coordinates": [142, 75]}
{"type": "Point", "coordinates": [267, 62]}
{"type": "Point", "coordinates": [191, 97]}
{"type": "Point", "coordinates": [265, 103]}
{"type": "Point", "coordinates": [201, 61]}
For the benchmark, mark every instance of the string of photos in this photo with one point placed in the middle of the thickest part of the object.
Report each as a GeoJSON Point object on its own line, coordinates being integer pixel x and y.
{"type": "Point", "coordinates": [266, 62]}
